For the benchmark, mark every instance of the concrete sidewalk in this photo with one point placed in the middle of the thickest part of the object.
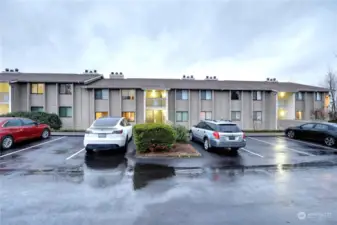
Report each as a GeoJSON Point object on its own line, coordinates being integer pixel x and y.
{"type": "Point", "coordinates": [81, 134]}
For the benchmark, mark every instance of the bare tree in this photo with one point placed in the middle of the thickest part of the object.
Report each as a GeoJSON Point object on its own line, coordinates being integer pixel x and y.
{"type": "Point", "coordinates": [331, 84]}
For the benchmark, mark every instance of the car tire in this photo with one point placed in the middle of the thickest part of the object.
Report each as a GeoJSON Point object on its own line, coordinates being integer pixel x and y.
{"type": "Point", "coordinates": [125, 147]}
{"type": "Point", "coordinates": [7, 142]}
{"type": "Point", "coordinates": [190, 136]}
{"type": "Point", "coordinates": [235, 151]}
{"type": "Point", "coordinates": [291, 134]}
{"type": "Point", "coordinates": [329, 141]}
{"type": "Point", "coordinates": [206, 145]}
{"type": "Point", "coordinates": [45, 134]}
{"type": "Point", "coordinates": [89, 150]}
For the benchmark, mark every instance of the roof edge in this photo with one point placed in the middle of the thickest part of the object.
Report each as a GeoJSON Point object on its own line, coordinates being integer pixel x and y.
{"type": "Point", "coordinates": [91, 80]}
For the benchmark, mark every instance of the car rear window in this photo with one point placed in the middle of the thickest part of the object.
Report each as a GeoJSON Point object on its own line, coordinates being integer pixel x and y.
{"type": "Point", "coordinates": [106, 122]}
{"type": "Point", "coordinates": [229, 128]}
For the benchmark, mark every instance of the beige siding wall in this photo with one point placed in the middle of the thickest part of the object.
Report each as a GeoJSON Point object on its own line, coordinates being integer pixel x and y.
{"type": "Point", "coordinates": [195, 107]}
{"type": "Point", "coordinates": [16, 104]}
{"type": "Point", "coordinates": [308, 105]}
{"type": "Point", "coordinates": [51, 98]}
{"type": "Point", "coordinates": [84, 106]}
{"type": "Point", "coordinates": [247, 111]}
{"type": "Point", "coordinates": [270, 118]}
{"type": "Point", "coordinates": [221, 105]}
{"type": "Point", "coordinates": [140, 114]}
{"type": "Point", "coordinates": [115, 103]}
{"type": "Point", "coordinates": [171, 105]}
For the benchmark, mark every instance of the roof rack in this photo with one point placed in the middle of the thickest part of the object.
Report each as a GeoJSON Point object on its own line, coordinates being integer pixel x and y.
{"type": "Point", "coordinates": [221, 120]}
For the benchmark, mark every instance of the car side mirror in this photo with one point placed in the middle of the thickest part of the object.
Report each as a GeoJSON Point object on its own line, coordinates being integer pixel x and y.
{"type": "Point", "coordinates": [36, 123]}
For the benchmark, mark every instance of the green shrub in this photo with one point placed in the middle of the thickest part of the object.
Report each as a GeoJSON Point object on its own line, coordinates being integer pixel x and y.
{"type": "Point", "coordinates": [181, 133]}
{"type": "Point", "coordinates": [153, 137]}
{"type": "Point", "coordinates": [52, 119]}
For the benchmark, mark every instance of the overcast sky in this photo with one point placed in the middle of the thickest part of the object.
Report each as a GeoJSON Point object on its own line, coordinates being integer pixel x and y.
{"type": "Point", "coordinates": [291, 40]}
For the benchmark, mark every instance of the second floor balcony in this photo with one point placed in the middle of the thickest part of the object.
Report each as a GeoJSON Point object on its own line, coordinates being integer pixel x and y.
{"type": "Point", "coordinates": [156, 102]}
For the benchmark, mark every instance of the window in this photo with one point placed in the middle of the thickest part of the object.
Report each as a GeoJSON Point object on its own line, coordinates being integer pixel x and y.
{"type": "Point", "coordinates": [13, 123]}
{"type": "Point", "coordinates": [236, 115]}
{"type": "Point", "coordinates": [102, 94]}
{"type": "Point", "coordinates": [37, 88]}
{"type": "Point", "coordinates": [307, 126]}
{"type": "Point", "coordinates": [106, 122]}
{"type": "Point", "coordinates": [182, 95]}
{"type": "Point", "coordinates": [27, 122]}
{"type": "Point", "coordinates": [229, 128]}
{"type": "Point", "coordinates": [318, 96]}
{"type": "Point", "coordinates": [36, 109]}
{"type": "Point", "coordinates": [65, 89]}
{"type": "Point", "coordinates": [182, 116]}
{"type": "Point", "coordinates": [101, 114]}
{"type": "Point", "coordinates": [299, 96]}
{"type": "Point", "coordinates": [206, 95]}
{"type": "Point", "coordinates": [321, 127]}
{"type": "Point", "coordinates": [257, 116]}
{"type": "Point", "coordinates": [204, 115]}
{"type": "Point", "coordinates": [257, 95]}
{"type": "Point", "coordinates": [201, 125]}
{"type": "Point", "coordinates": [128, 94]}
{"type": "Point", "coordinates": [235, 95]}
{"type": "Point", "coordinates": [130, 116]}
{"type": "Point", "coordinates": [65, 111]}
{"type": "Point", "coordinates": [299, 115]}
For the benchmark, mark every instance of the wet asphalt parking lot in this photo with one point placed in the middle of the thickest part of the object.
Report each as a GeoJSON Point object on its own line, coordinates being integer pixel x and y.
{"type": "Point", "coordinates": [273, 180]}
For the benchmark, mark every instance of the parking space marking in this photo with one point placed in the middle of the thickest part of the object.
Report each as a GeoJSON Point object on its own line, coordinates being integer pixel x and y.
{"type": "Point", "coordinates": [253, 153]}
{"type": "Point", "coordinates": [308, 143]}
{"type": "Point", "coordinates": [30, 147]}
{"type": "Point", "coordinates": [291, 149]}
{"type": "Point", "coordinates": [76, 153]}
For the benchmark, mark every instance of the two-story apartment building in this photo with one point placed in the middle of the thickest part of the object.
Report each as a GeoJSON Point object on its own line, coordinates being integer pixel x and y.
{"type": "Point", "coordinates": [81, 98]}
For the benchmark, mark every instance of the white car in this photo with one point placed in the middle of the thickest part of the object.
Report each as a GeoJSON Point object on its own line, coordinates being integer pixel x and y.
{"type": "Point", "coordinates": [108, 133]}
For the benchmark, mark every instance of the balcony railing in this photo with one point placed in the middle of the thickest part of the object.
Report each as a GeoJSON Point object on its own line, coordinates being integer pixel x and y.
{"type": "Point", "coordinates": [156, 102]}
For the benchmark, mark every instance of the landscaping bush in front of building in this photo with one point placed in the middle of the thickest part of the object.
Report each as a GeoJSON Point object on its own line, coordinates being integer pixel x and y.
{"type": "Point", "coordinates": [52, 119]}
{"type": "Point", "coordinates": [181, 133]}
{"type": "Point", "coordinates": [153, 137]}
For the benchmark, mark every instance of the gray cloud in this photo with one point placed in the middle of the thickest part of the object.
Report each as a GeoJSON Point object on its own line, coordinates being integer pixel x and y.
{"type": "Point", "coordinates": [246, 39]}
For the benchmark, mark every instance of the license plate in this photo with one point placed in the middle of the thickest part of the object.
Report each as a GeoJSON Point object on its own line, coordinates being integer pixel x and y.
{"type": "Point", "coordinates": [232, 138]}
{"type": "Point", "coordinates": [102, 135]}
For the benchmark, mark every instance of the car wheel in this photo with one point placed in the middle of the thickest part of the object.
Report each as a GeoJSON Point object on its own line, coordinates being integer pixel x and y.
{"type": "Point", "coordinates": [89, 150]}
{"type": "Point", "coordinates": [45, 134]}
{"type": "Point", "coordinates": [329, 141]}
{"type": "Point", "coordinates": [7, 142]}
{"type": "Point", "coordinates": [206, 144]}
{"type": "Point", "coordinates": [125, 147]}
{"type": "Point", "coordinates": [291, 134]}
{"type": "Point", "coordinates": [190, 136]}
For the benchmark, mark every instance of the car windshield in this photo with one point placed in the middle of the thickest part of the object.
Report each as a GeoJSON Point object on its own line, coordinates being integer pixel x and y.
{"type": "Point", "coordinates": [106, 122]}
{"type": "Point", "coordinates": [229, 128]}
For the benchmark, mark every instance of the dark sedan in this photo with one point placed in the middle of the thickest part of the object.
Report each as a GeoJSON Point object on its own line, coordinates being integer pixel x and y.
{"type": "Point", "coordinates": [323, 132]}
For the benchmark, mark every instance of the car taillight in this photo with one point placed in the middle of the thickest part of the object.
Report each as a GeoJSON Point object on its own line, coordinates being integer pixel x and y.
{"type": "Point", "coordinates": [216, 135]}
{"type": "Point", "coordinates": [243, 135]}
{"type": "Point", "coordinates": [117, 131]}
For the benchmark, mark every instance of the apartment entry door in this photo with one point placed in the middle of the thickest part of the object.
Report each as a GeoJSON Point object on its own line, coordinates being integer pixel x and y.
{"type": "Point", "coordinates": [155, 116]}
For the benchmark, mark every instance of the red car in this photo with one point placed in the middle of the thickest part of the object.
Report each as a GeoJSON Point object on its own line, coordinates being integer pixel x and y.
{"type": "Point", "coordinates": [14, 130]}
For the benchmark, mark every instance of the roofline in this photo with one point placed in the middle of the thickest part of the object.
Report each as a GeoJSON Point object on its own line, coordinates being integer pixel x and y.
{"type": "Point", "coordinates": [91, 80]}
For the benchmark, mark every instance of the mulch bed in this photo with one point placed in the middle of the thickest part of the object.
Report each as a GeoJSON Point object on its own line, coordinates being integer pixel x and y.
{"type": "Point", "coordinates": [179, 150]}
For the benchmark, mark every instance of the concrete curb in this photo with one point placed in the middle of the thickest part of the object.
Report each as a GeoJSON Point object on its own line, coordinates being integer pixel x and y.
{"type": "Point", "coordinates": [81, 134]}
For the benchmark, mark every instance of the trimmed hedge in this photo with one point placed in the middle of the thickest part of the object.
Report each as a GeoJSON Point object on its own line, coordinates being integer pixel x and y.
{"type": "Point", "coordinates": [181, 133]}
{"type": "Point", "coordinates": [52, 119]}
{"type": "Point", "coordinates": [153, 137]}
